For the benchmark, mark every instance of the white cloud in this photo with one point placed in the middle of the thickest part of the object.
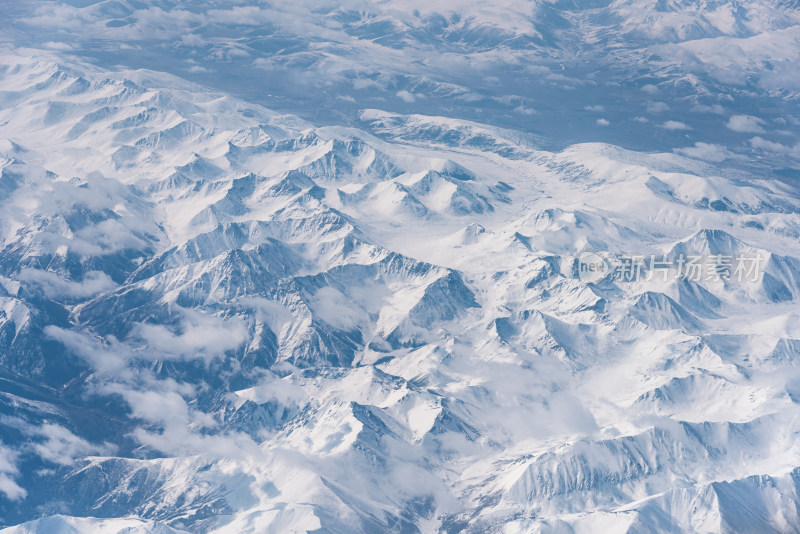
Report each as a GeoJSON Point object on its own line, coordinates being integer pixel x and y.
{"type": "Point", "coordinates": [640, 119]}
{"type": "Point", "coordinates": [715, 109]}
{"type": "Point", "coordinates": [51, 442]}
{"type": "Point", "coordinates": [180, 440]}
{"type": "Point", "coordinates": [537, 69]}
{"type": "Point", "coordinates": [602, 122]}
{"type": "Point", "coordinates": [106, 237]}
{"type": "Point", "coordinates": [193, 40]}
{"type": "Point", "coordinates": [200, 336]}
{"type": "Point", "coordinates": [558, 77]}
{"type": "Point", "coordinates": [179, 423]}
{"type": "Point", "coordinates": [597, 107]}
{"type": "Point", "coordinates": [771, 146]}
{"type": "Point", "coordinates": [405, 96]}
{"type": "Point", "coordinates": [271, 388]}
{"type": "Point", "coordinates": [469, 96]}
{"type": "Point", "coordinates": [62, 446]}
{"type": "Point", "coordinates": [270, 312]}
{"type": "Point", "coordinates": [706, 151]}
{"type": "Point", "coordinates": [745, 123]}
{"type": "Point", "coordinates": [160, 403]}
{"type": "Point", "coordinates": [366, 83]}
{"type": "Point", "coordinates": [106, 360]}
{"type": "Point", "coordinates": [650, 89]}
{"type": "Point", "coordinates": [675, 125]}
{"type": "Point", "coordinates": [657, 107]}
{"type": "Point", "coordinates": [54, 45]}
{"type": "Point", "coordinates": [264, 63]}
{"type": "Point", "coordinates": [8, 469]}
{"type": "Point", "coordinates": [53, 286]}
{"type": "Point", "coordinates": [333, 307]}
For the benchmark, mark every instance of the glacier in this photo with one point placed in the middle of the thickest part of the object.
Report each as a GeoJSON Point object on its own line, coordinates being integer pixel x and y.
{"type": "Point", "coordinates": [315, 267]}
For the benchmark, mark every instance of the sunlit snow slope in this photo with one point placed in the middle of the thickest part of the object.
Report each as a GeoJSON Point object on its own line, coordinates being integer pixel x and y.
{"type": "Point", "coordinates": [217, 317]}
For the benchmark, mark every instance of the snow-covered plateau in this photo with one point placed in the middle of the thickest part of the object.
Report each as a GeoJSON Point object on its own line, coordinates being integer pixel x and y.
{"type": "Point", "coordinates": [315, 266]}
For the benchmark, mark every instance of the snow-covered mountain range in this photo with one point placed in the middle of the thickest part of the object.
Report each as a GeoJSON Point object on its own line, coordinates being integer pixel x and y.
{"type": "Point", "coordinates": [318, 268]}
